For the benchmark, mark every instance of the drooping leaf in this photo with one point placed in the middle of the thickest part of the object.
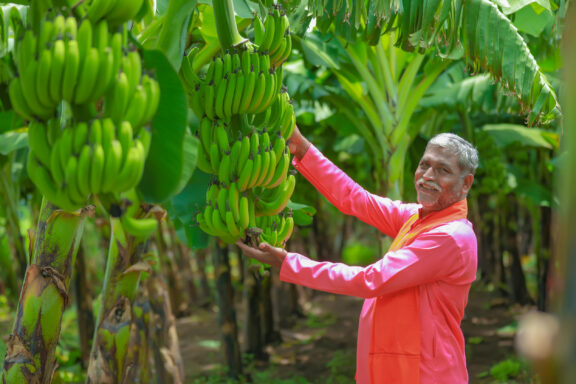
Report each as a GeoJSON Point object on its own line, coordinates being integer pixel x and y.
{"type": "Point", "coordinates": [508, 134]}
{"type": "Point", "coordinates": [165, 161]}
{"type": "Point", "coordinates": [493, 44]}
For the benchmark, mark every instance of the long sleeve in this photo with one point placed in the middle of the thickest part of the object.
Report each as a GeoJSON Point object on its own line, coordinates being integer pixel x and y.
{"type": "Point", "coordinates": [350, 198]}
{"type": "Point", "coordinates": [433, 256]}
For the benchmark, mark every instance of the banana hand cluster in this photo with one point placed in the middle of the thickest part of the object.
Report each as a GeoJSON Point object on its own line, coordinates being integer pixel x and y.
{"type": "Point", "coordinates": [276, 229]}
{"type": "Point", "coordinates": [273, 36]}
{"type": "Point", "coordinates": [234, 84]}
{"type": "Point", "coordinates": [64, 62]}
{"type": "Point", "coordinates": [69, 165]}
{"type": "Point", "coordinates": [253, 160]}
{"type": "Point", "coordinates": [227, 213]}
{"type": "Point", "coordinates": [114, 11]}
{"type": "Point", "coordinates": [134, 97]}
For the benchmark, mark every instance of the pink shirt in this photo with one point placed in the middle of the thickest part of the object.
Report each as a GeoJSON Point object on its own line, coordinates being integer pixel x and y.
{"type": "Point", "coordinates": [441, 262]}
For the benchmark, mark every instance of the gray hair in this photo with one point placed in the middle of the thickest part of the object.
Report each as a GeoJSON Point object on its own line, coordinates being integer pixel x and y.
{"type": "Point", "coordinates": [466, 152]}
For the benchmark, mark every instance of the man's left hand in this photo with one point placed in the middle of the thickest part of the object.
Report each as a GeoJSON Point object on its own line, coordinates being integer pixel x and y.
{"type": "Point", "coordinates": [265, 253]}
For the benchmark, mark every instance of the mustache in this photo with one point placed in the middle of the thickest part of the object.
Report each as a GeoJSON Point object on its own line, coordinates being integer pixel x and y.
{"type": "Point", "coordinates": [429, 184]}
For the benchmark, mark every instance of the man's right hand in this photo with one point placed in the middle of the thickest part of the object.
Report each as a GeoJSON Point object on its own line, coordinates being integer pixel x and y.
{"type": "Point", "coordinates": [297, 144]}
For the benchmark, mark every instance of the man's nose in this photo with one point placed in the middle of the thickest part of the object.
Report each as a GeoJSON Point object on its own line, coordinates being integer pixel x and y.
{"type": "Point", "coordinates": [429, 173]}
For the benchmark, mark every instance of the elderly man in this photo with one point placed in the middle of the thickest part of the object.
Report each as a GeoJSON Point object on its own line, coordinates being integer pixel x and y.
{"type": "Point", "coordinates": [415, 296]}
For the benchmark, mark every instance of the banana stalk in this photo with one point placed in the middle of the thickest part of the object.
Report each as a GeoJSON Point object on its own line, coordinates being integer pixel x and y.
{"type": "Point", "coordinates": [108, 358]}
{"type": "Point", "coordinates": [32, 344]}
{"type": "Point", "coordinates": [226, 24]}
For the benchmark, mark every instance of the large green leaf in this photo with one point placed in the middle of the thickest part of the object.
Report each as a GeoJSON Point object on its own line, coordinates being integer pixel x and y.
{"type": "Point", "coordinates": [493, 44]}
{"type": "Point", "coordinates": [12, 141]}
{"type": "Point", "coordinates": [165, 162]}
{"type": "Point", "coordinates": [508, 134]}
{"type": "Point", "coordinates": [183, 208]}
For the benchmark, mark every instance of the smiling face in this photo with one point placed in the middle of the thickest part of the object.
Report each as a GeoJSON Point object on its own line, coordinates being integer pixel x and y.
{"type": "Point", "coordinates": [439, 180]}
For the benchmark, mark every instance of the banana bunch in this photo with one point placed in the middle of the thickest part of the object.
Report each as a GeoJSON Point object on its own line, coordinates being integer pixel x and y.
{"type": "Point", "coordinates": [254, 160]}
{"type": "Point", "coordinates": [65, 62]}
{"type": "Point", "coordinates": [272, 201]}
{"type": "Point", "coordinates": [134, 96]}
{"type": "Point", "coordinates": [276, 229]}
{"type": "Point", "coordinates": [116, 12]}
{"type": "Point", "coordinates": [227, 213]}
{"type": "Point", "coordinates": [273, 36]}
{"type": "Point", "coordinates": [68, 165]}
{"type": "Point", "coordinates": [234, 84]}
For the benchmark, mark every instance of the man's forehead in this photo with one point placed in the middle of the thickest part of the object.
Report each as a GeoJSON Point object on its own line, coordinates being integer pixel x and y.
{"type": "Point", "coordinates": [440, 155]}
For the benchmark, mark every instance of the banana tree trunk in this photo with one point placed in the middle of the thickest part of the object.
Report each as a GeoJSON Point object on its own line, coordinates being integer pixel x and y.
{"type": "Point", "coordinates": [44, 296]}
{"type": "Point", "coordinates": [227, 312]}
{"type": "Point", "coordinates": [83, 298]}
{"type": "Point", "coordinates": [253, 343]}
{"type": "Point", "coordinates": [108, 358]}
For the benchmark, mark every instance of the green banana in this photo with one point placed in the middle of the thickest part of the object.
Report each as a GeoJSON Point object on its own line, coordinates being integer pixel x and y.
{"type": "Point", "coordinates": [269, 33]}
{"type": "Point", "coordinates": [224, 170]}
{"type": "Point", "coordinates": [55, 169]}
{"type": "Point", "coordinates": [247, 92]}
{"type": "Point", "coordinates": [43, 80]}
{"type": "Point", "coordinates": [84, 38]}
{"type": "Point", "coordinates": [41, 177]}
{"type": "Point", "coordinates": [28, 85]}
{"type": "Point", "coordinates": [209, 100]}
{"type": "Point", "coordinates": [118, 98]}
{"type": "Point", "coordinates": [279, 198]}
{"type": "Point", "coordinates": [221, 138]}
{"type": "Point", "coordinates": [71, 70]}
{"type": "Point", "coordinates": [71, 182]}
{"type": "Point", "coordinates": [38, 142]}
{"type": "Point", "coordinates": [125, 136]}
{"type": "Point", "coordinates": [83, 172]}
{"type": "Point", "coordinates": [97, 170]}
{"type": "Point", "coordinates": [139, 228]}
{"type": "Point", "coordinates": [234, 201]}
{"type": "Point", "coordinates": [221, 87]}
{"type": "Point", "coordinates": [57, 70]}
{"type": "Point", "coordinates": [214, 155]}
{"type": "Point", "coordinates": [88, 76]}
{"type": "Point", "coordinates": [256, 170]}
{"type": "Point", "coordinates": [244, 212]}
{"type": "Point", "coordinates": [280, 171]}
{"type": "Point", "coordinates": [79, 136]}
{"type": "Point", "coordinates": [230, 91]}
{"type": "Point", "coordinates": [18, 101]}
{"type": "Point", "coordinates": [245, 175]}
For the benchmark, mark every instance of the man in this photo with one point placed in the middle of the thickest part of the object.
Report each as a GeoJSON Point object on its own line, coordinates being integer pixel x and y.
{"type": "Point", "coordinates": [415, 296]}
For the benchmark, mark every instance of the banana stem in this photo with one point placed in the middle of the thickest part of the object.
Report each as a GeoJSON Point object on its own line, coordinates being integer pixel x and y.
{"type": "Point", "coordinates": [30, 356]}
{"type": "Point", "coordinates": [226, 24]}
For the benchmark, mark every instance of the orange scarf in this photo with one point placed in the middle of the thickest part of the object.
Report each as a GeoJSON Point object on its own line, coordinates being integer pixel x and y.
{"type": "Point", "coordinates": [395, 343]}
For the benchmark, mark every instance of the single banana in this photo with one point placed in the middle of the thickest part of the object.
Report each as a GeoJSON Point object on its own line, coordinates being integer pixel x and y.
{"type": "Point", "coordinates": [83, 173]}
{"type": "Point", "coordinates": [244, 152]}
{"type": "Point", "coordinates": [136, 108]}
{"type": "Point", "coordinates": [281, 171]}
{"type": "Point", "coordinates": [222, 138]}
{"type": "Point", "coordinates": [234, 201]}
{"type": "Point", "coordinates": [216, 70]}
{"type": "Point", "coordinates": [234, 156]}
{"type": "Point", "coordinates": [256, 170]}
{"type": "Point", "coordinates": [230, 91]}
{"type": "Point", "coordinates": [43, 80]}
{"type": "Point", "coordinates": [245, 175]}
{"type": "Point", "coordinates": [38, 142]}
{"type": "Point", "coordinates": [209, 100]}
{"type": "Point", "coordinates": [56, 170]}
{"type": "Point", "coordinates": [95, 135]}
{"type": "Point", "coordinates": [71, 182]}
{"type": "Point", "coordinates": [133, 64]}
{"type": "Point", "coordinates": [258, 94]}
{"type": "Point", "coordinates": [268, 97]}
{"type": "Point", "coordinates": [245, 61]}
{"type": "Point", "coordinates": [269, 33]}
{"type": "Point", "coordinates": [124, 11]}
{"type": "Point", "coordinates": [139, 228]}
{"type": "Point", "coordinates": [267, 179]}
{"type": "Point", "coordinates": [152, 89]}
{"type": "Point", "coordinates": [18, 101]}
{"type": "Point", "coordinates": [112, 164]}
{"type": "Point", "coordinates": [57, 70]}
{"type": "Point", "coordinates": [214, 156]}
{"type": "Point", "coordinates": [280, 26]}
{"type": "Point", "coordinates": [87, 77]}
{"type": "Point", "coordinates": [221, 87]}
{"type": "Point", "coordinates": [238, 91]}
{"type": "Point", "coordinates": [70, 28]}
{"type": "Point", "coordinates": [84, 38]}
{"type": "Point", "coordinates": [119, 95]}
{"type": "Point", "coordinates": [224, 170]}
{"type": "Point", "coordinates": [247, 92]}
{"type": "Point", "coordinates": [125, 137]}
{"type": "Point", "coordinates": [231, 225]}
{"type": "Point", "coordinates": [259, 30]}
{"type": "Point", "coordinates": [106, 74]}
{"type": "Point", "coordinates": [222, 201]}
{"type": "Point", "coordinates": [265, 168]}
{"type": "Point", "coordinates": [66, 147]}
{"type": "Point", "coordinates": [98, 9]}
{"type": "Point", "coordinates": [42, 178]}
{"type": "Point", "coordinates": [97, 171]}
{"type": "Point", "coordinates": [71, 70]}
{"type": "Point", "coordinates": [29, 91]}
{"type": "Point", "coordinates": [244, 212]}
{"type": "Point", "coordinates": [79, 136]}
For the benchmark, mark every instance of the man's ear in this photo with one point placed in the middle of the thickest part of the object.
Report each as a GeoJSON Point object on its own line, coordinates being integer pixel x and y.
{"type": "Point", "coordinates": [467, 184]}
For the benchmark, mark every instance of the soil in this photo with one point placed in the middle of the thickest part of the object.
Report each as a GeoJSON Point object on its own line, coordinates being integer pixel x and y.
{"type": "Point", "coordinates": [323, 344]}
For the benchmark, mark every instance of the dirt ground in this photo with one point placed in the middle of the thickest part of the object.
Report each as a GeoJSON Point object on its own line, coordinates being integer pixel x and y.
{"type": "Point", "coordinates": [323, 344]}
